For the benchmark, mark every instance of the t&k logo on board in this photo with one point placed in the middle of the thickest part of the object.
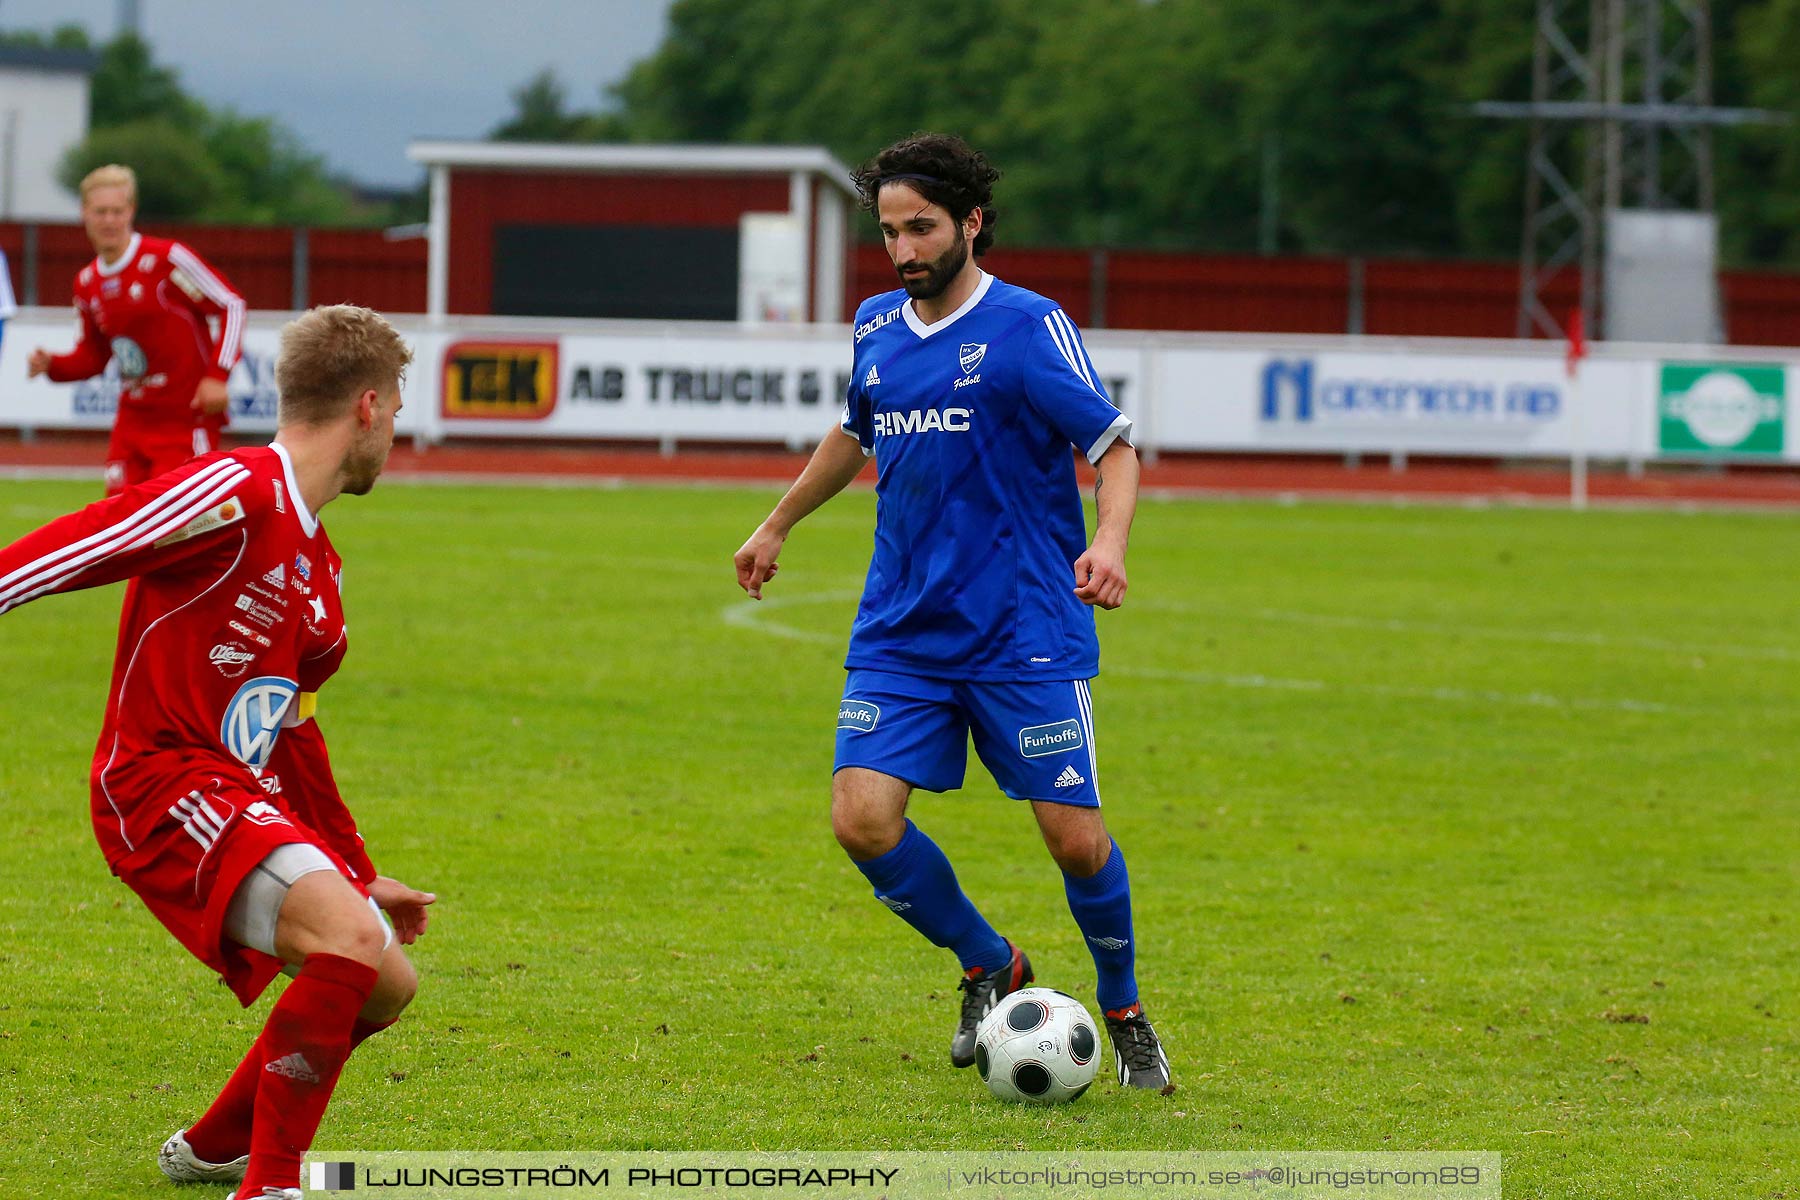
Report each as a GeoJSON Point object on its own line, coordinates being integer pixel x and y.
{"type": "Point", "coordinates": [507, 381]}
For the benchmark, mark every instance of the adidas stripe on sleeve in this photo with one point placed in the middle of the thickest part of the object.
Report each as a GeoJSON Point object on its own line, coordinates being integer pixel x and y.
{"type": "Point", "coordinates": [138, 530]}
{"type": "Point", "coordinates": [1062, 384]}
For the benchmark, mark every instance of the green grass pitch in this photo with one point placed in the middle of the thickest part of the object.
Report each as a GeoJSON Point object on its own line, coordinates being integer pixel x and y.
{"type": "Point", "coordinates": [1449, 829]}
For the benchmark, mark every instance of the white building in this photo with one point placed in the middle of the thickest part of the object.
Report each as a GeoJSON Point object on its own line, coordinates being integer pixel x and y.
{"type": "Point", "coordinates": [43, 112]}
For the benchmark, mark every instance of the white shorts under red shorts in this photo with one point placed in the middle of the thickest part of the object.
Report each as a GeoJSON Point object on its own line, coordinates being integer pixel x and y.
{"type": "Point", "coordinates": [190, 864]}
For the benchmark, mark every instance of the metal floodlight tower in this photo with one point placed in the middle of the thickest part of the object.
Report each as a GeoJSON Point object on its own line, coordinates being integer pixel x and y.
{"type": "Point", "coordinates": [1621, 117]}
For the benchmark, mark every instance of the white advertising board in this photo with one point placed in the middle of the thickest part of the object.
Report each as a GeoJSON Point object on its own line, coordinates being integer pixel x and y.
{"type": "Point", "coordinates": [696, 382]}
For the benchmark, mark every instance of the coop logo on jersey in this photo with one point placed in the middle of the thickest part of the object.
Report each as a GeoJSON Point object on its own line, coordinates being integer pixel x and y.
{"type": "Point", "coordinates": [929, 420]}
{"type": "Point", "coordinates": [858, 716]}
{"type": "Point", "coordinates": [253, 718]}
{"type": "Point", "coordinates": [506, 381]}
{"type": "Point", "coordinates": [231, 658]}
{"type": "Point", "coordinates": [130, 357]}
{"type": "Point", "coordinates": [1035, 741]}
{"type": "Point", "coordinates": [1722, 408]}
{"type": "Point", "coordinates": [228, 512]}
{"type": "Point", "coordinates": [240, 627]}
{"type": "Point", "coordinates": [970, 355]}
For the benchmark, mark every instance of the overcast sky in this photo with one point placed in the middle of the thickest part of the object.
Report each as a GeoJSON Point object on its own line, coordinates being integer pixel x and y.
{"type": "Point", "coordinates": [357, 79]}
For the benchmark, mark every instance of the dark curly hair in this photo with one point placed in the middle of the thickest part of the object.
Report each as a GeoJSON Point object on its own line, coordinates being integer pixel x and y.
{"type": "Point", "coordinates": [954, 174]}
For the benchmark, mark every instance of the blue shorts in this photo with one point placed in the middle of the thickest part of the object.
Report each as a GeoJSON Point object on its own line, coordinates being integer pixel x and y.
{"type": "Point", "coordinates": [1036, 738]}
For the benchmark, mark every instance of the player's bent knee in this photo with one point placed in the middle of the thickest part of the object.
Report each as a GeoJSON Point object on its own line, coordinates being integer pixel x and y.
{"type": "Point", "coordinates": [1080, 848]}
{"type": "Point", "coordinates": [324, 914]}
{"type": "Point", "coordinates": [395, 986]}
{"type": "Point", "coordinates": [865, 832]}
{"type": "Point", "coordinates": [868, 812]}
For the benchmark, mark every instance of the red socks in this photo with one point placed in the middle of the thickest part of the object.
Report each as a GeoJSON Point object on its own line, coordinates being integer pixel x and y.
{"type": "Point", "coordinates": [223, 1132]}
{"type": "Point", "coordinates": [275, 1099]}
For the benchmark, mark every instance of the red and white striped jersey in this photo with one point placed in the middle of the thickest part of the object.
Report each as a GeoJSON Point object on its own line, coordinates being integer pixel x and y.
{"type": "Point", "coordinates": [231, 622]}
{"type": "Point", "coordinates": [149, 309]}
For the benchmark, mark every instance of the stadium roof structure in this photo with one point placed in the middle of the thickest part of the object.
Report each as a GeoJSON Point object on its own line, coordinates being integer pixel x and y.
{"type": "Point", "coordinates": [42, 58]}
{"type": "Point", "coordinates": [675, 192]}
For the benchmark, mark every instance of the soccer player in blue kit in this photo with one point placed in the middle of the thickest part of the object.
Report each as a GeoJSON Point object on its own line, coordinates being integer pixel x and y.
{"type": "Point", "coordinates": [977, 614]}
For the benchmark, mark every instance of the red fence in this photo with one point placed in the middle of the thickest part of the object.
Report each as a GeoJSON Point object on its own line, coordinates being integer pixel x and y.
{"type": "Point", "coordinates": [273, 268]}
{"type": "Point", "coordinates": [1121, 289]}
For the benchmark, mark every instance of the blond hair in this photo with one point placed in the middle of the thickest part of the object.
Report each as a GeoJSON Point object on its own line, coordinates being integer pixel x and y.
{"type": "Point", "coordinates": [332, 354]}
{"type": "Point", "coordinates": [111, 175]}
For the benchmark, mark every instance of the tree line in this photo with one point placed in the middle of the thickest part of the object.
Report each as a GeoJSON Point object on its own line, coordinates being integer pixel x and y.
{"type": "Point", "coordinates": [194, 162]}
{"type": "Point", "coordinates": [1302, 126]}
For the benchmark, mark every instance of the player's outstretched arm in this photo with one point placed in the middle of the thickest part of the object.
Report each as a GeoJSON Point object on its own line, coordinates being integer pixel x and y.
{"type": "Point", "coordinates": [837, 461]}
{"type": "Point", "coordinates": [1100, 571]}
{"type": "Point", "coordinates": [177, 515]}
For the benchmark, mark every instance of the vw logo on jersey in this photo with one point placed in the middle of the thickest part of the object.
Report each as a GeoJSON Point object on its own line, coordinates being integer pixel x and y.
{"type": "Point", "coordinates": [971, 355]}
{"type": "Point", "coordinates": [130, 357]}
{"type": "Point", "coordinates": [253, 718]}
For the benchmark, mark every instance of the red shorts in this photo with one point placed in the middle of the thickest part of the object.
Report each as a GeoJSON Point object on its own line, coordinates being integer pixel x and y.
{"type": "Point", "coordinates": [143, 447]}
{"type": "Point", "coordinates": [190, 865]}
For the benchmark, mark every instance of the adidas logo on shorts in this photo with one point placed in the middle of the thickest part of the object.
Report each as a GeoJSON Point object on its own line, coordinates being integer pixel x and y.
{"type": "Point", "coordinates": [1070, 777]}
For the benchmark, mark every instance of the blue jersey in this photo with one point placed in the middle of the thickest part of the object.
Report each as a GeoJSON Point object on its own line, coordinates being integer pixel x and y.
{"type": "Point", "coordinates": [978, 520]}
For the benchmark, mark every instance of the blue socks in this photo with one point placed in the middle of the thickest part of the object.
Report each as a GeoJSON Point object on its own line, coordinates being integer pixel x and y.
{"type": "Point", "coordinates": [916, 881]}
{"type": "Point", "coordinates": [1101, 904]}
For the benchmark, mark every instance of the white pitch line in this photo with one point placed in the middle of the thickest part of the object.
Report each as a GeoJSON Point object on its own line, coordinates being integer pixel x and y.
{"type": "Point", "coordinates": [748, 615]}
{"type": "Point", "coordinates": [1446, 694]}
{"type": "Point", "coordinates": [1555, 637]}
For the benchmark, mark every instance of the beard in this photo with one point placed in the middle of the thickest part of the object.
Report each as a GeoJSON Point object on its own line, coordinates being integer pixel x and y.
{"type": "Point", "coordinates": [364, 466]}
{"type": "Point", "coordinates": [938, 272]}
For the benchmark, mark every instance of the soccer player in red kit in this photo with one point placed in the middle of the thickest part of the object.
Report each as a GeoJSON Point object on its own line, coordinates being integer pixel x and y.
{"type": "Point", "coordinates": [149, 303]}
{"type": "Point", "coordinates": [212, 796]}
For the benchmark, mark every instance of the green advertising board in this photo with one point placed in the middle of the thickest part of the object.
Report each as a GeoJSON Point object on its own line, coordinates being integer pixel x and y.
{"type": "Point", "coordinates": [1722, 408]}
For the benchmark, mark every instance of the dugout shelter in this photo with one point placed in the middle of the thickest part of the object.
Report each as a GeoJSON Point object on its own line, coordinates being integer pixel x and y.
{"type": "Point", "coordinates": [752, 233]}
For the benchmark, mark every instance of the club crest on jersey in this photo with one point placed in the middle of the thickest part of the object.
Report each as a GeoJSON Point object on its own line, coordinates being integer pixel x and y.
{"type": "Point", "coordinates": [253, 718]}
{"type": "Point", "coordinates": [971, 354]}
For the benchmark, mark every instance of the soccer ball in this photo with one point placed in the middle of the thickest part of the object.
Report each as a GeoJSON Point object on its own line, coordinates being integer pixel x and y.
{"type": "Point", "coordinates": [1038, 1046]}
